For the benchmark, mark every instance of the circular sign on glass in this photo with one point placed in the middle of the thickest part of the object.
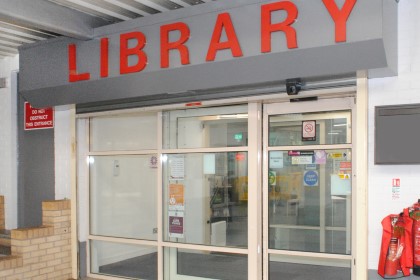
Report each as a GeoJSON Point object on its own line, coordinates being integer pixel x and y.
{"type": "Point", "coordinates": [310, 178]}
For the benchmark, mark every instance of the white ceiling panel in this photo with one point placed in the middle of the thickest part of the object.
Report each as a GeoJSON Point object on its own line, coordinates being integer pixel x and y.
{"type": "Point", "coordinates": [25, 22]}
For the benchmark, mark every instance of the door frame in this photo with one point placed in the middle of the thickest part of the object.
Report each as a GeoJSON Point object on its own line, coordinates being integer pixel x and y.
{"type": "Point", "coordinates": [257, 155]}
{"type": "Point", "coordinates": [323, 105]}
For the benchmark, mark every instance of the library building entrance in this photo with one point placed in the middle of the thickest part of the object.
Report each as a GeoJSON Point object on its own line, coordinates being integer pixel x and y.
{"type": "Point", "coordinates": [252, 188]}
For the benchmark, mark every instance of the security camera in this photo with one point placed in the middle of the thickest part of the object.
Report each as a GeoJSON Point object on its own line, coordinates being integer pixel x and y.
{"type": "Point", "coordinates": [293, 86]}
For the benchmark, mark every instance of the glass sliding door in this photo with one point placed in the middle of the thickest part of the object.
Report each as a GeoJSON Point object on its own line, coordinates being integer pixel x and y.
{"type": "Point", "coordinates": [123, 176]}
{"type": "Point", "coordinates": [308, 190]}
{"type": "Point", "coordinates": [246, 191]}
{"type": "Point", "coordinates": [205, 193]}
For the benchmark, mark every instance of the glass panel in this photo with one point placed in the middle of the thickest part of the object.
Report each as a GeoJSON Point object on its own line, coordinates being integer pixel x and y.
{"type": "Point", "coordinates": [206, 127]}
{"type": "Point", "coordinates": [292, 267]}
{"type": "Point", "coordinates": [320, 128]}
{"type": "Point", "coordinates": [206, 198]}
{"type": "Point", "coordinates": [336, 241]}
{"type": "Point", "coordinates": [188, 264]}
{"type": "Point", "coordinates": [123, 133]}
{"type": "Point", "coordinates": [308, 192]}
{"type": "Point", "coordinates": [123, 260]}
{"type": "Point", "coordinates": [295, 239]}
{"type": "Point", "coordinates": [123, 196]}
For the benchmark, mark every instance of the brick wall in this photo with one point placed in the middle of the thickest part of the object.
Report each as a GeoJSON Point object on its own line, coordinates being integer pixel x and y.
{"type": "Point", "coordinates": [42, 252]}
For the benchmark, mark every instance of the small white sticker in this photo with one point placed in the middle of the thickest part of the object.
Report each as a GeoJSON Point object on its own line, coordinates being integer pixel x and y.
{"type": "Point", "coordinates": [302, 160]}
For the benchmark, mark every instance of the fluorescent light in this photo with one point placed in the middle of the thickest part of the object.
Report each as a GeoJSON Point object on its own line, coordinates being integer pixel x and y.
{"type": "Point", "coordinates": [235, 116]}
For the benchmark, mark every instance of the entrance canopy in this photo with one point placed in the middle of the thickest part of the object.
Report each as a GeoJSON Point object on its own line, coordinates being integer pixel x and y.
{"type": "Point", "coordinates": [216, 45]}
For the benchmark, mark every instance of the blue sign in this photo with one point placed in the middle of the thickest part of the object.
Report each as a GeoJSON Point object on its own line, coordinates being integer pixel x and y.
{"type": "Point", "coordinates": [310, 178]}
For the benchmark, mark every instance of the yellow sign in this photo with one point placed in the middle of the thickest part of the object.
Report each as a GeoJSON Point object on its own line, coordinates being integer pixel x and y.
{"type": "Point", "coordinates": [344, 176]}
{"type": "Point", "coordinates": [176, 197]}
{"type": "Point", "coordinates": [335, 155]}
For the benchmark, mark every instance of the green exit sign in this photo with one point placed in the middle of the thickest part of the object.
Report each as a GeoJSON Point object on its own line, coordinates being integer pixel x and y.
{"type": "Point", "coordinates": [238, 136]}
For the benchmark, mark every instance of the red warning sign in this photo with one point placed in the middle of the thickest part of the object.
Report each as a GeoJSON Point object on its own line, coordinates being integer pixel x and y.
{"type": "Point", "coordinates": [345, 165]}
{"type": "Point", "coordinates": [38, 118]}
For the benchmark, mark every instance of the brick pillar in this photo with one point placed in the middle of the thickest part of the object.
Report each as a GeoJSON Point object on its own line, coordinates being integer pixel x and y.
{"type": "Point", "coordinates": [57, 214]}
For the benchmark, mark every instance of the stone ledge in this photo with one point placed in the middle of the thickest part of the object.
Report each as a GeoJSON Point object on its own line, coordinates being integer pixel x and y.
{"type": "Point", "coordinates": [29, 233]}
{"type": "Point", "coordinates": [55, 205]}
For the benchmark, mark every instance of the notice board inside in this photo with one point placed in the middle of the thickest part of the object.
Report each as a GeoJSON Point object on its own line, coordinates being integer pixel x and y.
{"type": "Point", "coordinates": [397, 134]}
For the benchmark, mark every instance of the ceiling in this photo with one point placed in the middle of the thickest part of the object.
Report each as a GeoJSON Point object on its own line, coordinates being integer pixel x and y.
{"type": "Point", "coordinates": [29, 21]}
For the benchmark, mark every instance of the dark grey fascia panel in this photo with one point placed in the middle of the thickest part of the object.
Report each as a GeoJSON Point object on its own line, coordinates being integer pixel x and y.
{"type": "Point", "coordinates": [248, 71]}
{"type": "Point", "coordinates": [44, 67]}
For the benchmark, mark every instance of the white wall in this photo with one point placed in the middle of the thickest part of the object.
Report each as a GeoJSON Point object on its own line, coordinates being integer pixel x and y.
{"type": "Point", "coordinates": [8, 140]}
{"type": "Point", "coordinates": [63, 151]}
{"type": "Point", "coordinates": [403, 89]}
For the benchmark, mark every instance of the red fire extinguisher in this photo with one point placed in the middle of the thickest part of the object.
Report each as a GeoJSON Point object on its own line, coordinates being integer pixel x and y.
{"type": "Point", "coordinates": [415, 215]}
{"type": "Point", "coordinates": [396, 253]}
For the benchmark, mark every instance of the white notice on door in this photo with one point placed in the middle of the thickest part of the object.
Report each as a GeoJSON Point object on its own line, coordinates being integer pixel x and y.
{"type": "Point", "coordinates": [177, 167]}
{"type": "Point", "coordinates": [276, 159]}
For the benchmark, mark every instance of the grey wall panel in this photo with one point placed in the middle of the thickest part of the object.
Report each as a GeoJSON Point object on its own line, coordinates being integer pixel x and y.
{"type": "Point", "coordinates": [35, 171]}
{"type": "Point", "coordinates": [396, 134]}
{"type": "Point", "coordinates": [82, 259]}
